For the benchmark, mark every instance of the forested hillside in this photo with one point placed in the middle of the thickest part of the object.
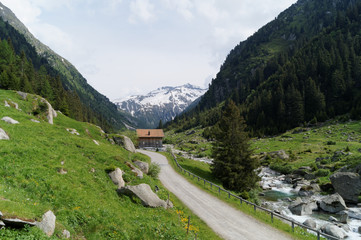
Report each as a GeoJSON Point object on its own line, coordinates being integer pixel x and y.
{"type": "Point", "coordinates": [78, 98]}
{"type": "Point", "coordinates": [303, 66]}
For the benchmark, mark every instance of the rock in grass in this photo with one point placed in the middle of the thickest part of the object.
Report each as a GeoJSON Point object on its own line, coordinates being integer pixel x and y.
{"type": "Point", "coordinates": [47, 224]}
{"type": "Point", "coordinates": [96, 142]}
{"type": "Point", "coordinates": [9, 120]}
{"type": "Point", "coordinates": [124, 141]}
{"type": "Point", "coordinates": [117, 177]}
{"type": "Point", "coordinates": [65, 234]}
{"type": "Point", "coordinates": [35, 121]}
{"type": "Point", "coordinates": [142, 165]}
{"type": "Point", "coordinates": [135, 170]}
{"type": "Point", "coordinates": [51, 113]}
{"type": "Point", "coordinates": [22, 94]}
{"type": "Point", "coordinates": [7, 104]}
{"type": "Point", "coordinates": [18, 223]}
{"type": "Point", "coordinates": [3, 135]}
{"type": "Point", "coordinates": [145, 194]}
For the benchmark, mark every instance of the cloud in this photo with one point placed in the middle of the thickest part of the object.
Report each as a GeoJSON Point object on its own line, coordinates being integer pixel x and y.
{"type": "Point", "coordinates": [184, 7]}
{"type": "Point", "coordinates": [141, 10]}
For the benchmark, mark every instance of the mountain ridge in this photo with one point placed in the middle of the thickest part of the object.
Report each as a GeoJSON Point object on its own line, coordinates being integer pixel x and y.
{"type": "Point", "coordinates": [161, 104]}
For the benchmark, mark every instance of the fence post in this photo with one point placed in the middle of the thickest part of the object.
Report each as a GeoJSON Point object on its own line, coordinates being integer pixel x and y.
{"type": "Point", "coordinates": [211, 185]}
{"type": "Point", "coordinates": [318, 235]}
{"type": "Point", "coordinates": [198, 179]}
{"type": "Point", "coordinates": [189, 221]}
{"type": "Point", "coordinates": [293, 226]}
{"type": "Point", "coordinates": [272, 216]}
{"type": "Point", "coordinates": [204, 182]}
{"type": "Point", "coordinates": [255, 207]}
{"type": "Point", "coordinates": [240, 200]}
{"type": "Point", "coordinates": [229, 195]}
{"type": "Point", "coordinates": [219, 190]}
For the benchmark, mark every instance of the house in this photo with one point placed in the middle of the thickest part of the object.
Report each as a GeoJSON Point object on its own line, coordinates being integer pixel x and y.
{"type": "Point", "coordinates": [150, 138]}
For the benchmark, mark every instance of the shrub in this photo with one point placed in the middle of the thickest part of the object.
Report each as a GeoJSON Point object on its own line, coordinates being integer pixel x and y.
{"type": "Point", "coordinates": [331, 143]}
{"type": "Point", "coordinates": [154, 170]}
{"type": "Point", "coordinates": [322, 172]}
{"type": "Point", "coordinates": [282, 168]}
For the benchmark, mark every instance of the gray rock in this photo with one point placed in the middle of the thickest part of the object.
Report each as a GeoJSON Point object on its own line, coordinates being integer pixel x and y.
{"type": "Point", "coordinates": [348, 185]}
{"type": "Point", "coordinates": [7, 104]}
{"type": "Point", "coordinates": [65, 234]}
{"type": "Point", "coordinates": [9, 120]}
{"type": "Point", "coordinates": [22, 94]}
{"type": "Point", "coordinates": [298, 207]}
{"type": "Point", "coordinates": [35, 121]}
{"type": "Point", "coordinates": [3, 135]}
{"type": "Point", "coordinates": [332, 219]}
{"type": "Point", "coordinates": [73, 131]}
{"type": "Point", "coordinates": [354, 213]}
{"type": "Point", "coordinates": [51, 113]}
{"type": "Point", "coordinates": [279, 154]}
{"type": "Point", "coordinates": [359, 229]}
{"type": "Point", "coordinates": [117, 177]}
{"type": "Point", "coordinates": [125, 142]}
{"type": "Point", "coordinates": [310, 223]}
{"type": "Point", "coordinates": [143, 166]}
{"type": "Point", "coordinates": [332, 203]}
{"type": "Point", "coordinates": [145, 194]}
{"type": "Point", "coordinates": [18, 223]}
{"type": "Point", "coordinates": [1, 214]}
{"type": "Point", "coordinates": [2, 224]}
{"type": "Point", "coordinates": [135, 170]}
{"type": "Point", "coordinates": [343, 217]}
{"type": "Point", "coordinates": [333, 231]}
{"type": "Point", "coordinates": [47, 224]}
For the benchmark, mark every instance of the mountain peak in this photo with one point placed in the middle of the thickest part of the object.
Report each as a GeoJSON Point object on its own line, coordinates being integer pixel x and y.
{"type": "Point", "coordinates": [163, 103]}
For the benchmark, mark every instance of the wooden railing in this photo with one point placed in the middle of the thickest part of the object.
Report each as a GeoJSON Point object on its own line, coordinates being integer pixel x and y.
{"type": "Point", "coordinates": [292, 222]}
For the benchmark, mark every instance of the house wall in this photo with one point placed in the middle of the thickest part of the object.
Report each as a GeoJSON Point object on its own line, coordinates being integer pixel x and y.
{"type": "Point", "coordinates": [150, 142]}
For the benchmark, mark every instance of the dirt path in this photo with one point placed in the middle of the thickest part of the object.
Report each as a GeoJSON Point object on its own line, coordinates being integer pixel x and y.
{"type": "Point", "coordinates": [228, 222]}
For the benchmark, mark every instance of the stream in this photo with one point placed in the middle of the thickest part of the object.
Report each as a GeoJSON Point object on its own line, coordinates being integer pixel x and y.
{"type": "Point", "coordinates": [278, 195]}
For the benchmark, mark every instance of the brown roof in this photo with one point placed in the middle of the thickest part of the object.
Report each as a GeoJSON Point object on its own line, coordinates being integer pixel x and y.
{"type": "Point", "coordinates": [150, 133]}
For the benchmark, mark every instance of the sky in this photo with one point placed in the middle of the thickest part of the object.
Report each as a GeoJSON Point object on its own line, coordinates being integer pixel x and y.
{"type": "Point", "coordinates": [128, 47]}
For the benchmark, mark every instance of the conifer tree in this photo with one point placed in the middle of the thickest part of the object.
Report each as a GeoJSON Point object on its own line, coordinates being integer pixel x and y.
{"type": "Point", "coordinates": [232, 163]}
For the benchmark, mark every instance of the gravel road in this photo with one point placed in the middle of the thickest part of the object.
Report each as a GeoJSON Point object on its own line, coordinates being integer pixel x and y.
{"type": "Point", "coordinates": [226, 221]}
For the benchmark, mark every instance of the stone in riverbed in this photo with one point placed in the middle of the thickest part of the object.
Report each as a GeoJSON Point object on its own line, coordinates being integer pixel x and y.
{"type": "Point", "coordinates": [348, 185]}
{"type": "Point", "coordinates": [332, 203]}
{"type": "Point", "coordinates": [298, 207]}
{"type": "Point", "coordinates": [310, 223]}
{"type": "Point", "coordinates": [333, 231]}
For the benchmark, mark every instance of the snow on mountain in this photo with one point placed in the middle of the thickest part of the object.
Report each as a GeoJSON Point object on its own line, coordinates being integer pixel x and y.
{"type": "Point", "coordinates": [161, 104]}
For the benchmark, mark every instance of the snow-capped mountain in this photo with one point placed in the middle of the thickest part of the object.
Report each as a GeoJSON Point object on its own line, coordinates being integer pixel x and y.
{"type": "Point", "coordinates": [161, 104]}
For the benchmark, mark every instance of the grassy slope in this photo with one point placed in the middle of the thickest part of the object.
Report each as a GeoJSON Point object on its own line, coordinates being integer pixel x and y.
{"type": "Point", "coordinates": [85, 202]}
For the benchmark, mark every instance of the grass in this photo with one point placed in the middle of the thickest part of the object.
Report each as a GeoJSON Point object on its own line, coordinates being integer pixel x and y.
{"type": "Point", "coordinates": [84, 200]}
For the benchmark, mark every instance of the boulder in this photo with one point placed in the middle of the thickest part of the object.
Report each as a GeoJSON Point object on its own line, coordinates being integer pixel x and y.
{"type": "Point", "coordinates": [332, 203]}
{"type": "Point", "coordinates": [96, 142]}
{"type": "Point", "coordinates": [7, 104]}
{"type": "Point", "coordinates": [47, 224]}
{"type": "Point", "coordinates": [333, 230]}
{"type": "Point", "coordinates": [279, 154]}
{"type": "Point", "coordinates": [145, 194]}
{"type": "Point", "coordinates": [354, 213]}
{"type": "Point", "coordinates": [117, 177]}
{"type": "Point", "coordinates": [23, 95]}
{"type": "Point", "coordinates": [73, 131]}
{"type": "Point", "coordinates": [3, 135]}
{"type": "Point", "coordinates": [9, 120]}
{"type": "Point", "coordinates": [142, 165]}
{"type": "Point", "coordinates": [343, 217]}
{"type": "Point", "coordinates": [135, 170]}
{"type": "Point", "coordinates": [18, 223]}
{"type": "Point", "coordinates": [299, 207]}
{"type": "Point", "coordinates": [310, 223]}
{"type": "Point", "coordinates": [309, 190]}
{"type": "Point", "coordinates": [332, 219]}
{"type": "Point", "coordinates": [348, 185]}
{"type": "Point", "coordinates": [125, 142]}
{"type": "Point", "coordinates": [51, 113]}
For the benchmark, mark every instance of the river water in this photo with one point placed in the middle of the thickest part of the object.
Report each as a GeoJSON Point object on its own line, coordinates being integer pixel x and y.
{"type": "Point", "coordinates": [280, 195]}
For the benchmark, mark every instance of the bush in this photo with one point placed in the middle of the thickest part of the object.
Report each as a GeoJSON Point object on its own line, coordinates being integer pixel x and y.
{"type": "Point", "coordinates": [331, 143]}
{"type": "Point", "coordinates": [322, 172]}
{"type": "Point", "coordinates": [281, 168]}
{"type": "Point", "coordinates": [154, 170]}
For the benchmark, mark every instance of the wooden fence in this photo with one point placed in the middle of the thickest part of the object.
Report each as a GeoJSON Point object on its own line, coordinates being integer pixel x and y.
{"type": "Point", "coordinates": [292, 222]}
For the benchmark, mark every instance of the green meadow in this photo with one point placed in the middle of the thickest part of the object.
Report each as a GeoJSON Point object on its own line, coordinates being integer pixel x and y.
{"type": "Point", "coordinates": [84, 199]}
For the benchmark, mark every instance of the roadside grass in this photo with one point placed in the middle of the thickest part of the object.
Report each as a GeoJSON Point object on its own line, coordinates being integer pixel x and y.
{"type": "Point", "coordinates": [84, 199]}
{"type": "Point", "coordinates": [299, 233]}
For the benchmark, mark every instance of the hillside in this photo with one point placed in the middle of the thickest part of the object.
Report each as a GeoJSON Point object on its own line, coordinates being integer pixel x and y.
{"type": "Point", "coordinates": [162, 104]}
{"type": "Point", "coordinates": [302, 66]}
{"type": "Point", "coordinates": [97, 107]}
{"type": "Point", "coordinates": [45, 167]}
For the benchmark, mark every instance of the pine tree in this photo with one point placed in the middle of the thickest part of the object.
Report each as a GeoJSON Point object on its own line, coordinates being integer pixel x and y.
{"type": "Point", "coordinates": [232, 163]}
{"type": "Point", "coordinates": [160, 125]}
